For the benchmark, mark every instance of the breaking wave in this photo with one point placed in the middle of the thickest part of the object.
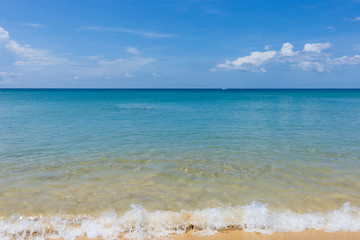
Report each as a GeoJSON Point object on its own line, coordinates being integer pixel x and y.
{"type": "Point", "coordinates": [138, 223]}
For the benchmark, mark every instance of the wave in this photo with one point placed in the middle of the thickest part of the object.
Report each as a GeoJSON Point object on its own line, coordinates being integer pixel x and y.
{"type": "Point", "coordinates": [138, 223]}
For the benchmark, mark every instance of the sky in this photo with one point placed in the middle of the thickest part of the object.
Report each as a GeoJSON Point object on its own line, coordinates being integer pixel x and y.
{"type": "Point", "coordinates": [179, 44]}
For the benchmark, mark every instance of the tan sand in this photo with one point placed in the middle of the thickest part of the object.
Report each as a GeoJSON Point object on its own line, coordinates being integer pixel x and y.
{"type": "Point", "coordinates": [230, 235]}
{"type": "Point", "coordinates": [306, 235]}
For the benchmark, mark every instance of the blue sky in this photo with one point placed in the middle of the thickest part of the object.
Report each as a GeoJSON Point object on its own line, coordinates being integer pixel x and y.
{"type": "Point", "coordinates": [180, 44]}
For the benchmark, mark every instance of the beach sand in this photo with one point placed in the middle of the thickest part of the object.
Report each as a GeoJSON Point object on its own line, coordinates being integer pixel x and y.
{"type": "Point", "coordinates": [306, 235]}
{"type": "Point", "coordinates": [229, 235]}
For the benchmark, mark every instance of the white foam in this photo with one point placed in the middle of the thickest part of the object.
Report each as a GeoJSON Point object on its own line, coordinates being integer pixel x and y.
{"type": "Point", "coordinates": [138, 223]}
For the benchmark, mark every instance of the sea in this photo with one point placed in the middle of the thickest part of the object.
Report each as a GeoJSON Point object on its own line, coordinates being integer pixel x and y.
{"type": "Point", "coordinates": [150, 163]}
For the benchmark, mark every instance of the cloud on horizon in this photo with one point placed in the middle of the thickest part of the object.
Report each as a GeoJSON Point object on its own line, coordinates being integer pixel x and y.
{"type": "Point", "coordinates": [311, 58]}
{"type": "Point", "coordinates": [7, 77]}
{"type": "Point", "coordinates": [26, 55]}
{"type": "Point", "coordinates": [26, 61]}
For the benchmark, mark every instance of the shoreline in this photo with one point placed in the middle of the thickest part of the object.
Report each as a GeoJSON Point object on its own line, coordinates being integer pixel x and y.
{"type": "Point", "coordinates": [251, 222]}
{"type": "Point", "coordinates": [305, 235]}
{"type": "Point", "coordinates": [240, 234]}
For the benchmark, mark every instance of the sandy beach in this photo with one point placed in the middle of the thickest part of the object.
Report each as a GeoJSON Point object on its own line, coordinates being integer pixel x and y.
{"type": "Point", "coordinates": [229, 235]}
{"type": "Point", "coordinates": [306, 235]}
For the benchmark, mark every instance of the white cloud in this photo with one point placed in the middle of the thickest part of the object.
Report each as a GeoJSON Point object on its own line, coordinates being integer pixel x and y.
{"type": "Point", "coordinates": [155, 74]}
{"type": "Point", "coordinates": [287, 50]}
{"type": "Point", "coordinates": [255, 59]}
{"type": "Point", "coordinates": [357, 19]}
{"type": "Point", "coordinates": [346, 60]}
{"type": "Point", "coordinates": [316, 47]}
{"type": "Point", "coordinates": [24, 51]}
{"type": "Point", "coordinates": [34, 64]}
{"type": "Point", "coordinates": [8, 77]}
{"type": "Point", "coordinates": [94, 57]}
{"type": "Point", "coordinates": [311, 66]}
{"type": "Point", "coordinates": [31, 56]}
{"type": "Point", "coordinates": [27, 54]}
{"type": "Point", "coordinates": [305, 60]}
{"type": "Point", "coordinates": [133, 50]}
{"type": "Point", "coordinates": [128, 75]}
{"type": "Point", "coordinates": [4, 35]}
{"type": "Point", "coordinates": [267, 47]}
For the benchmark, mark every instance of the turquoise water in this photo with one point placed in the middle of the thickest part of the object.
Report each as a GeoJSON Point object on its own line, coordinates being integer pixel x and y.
{"type": "Point", "coordinates": [85, 153]}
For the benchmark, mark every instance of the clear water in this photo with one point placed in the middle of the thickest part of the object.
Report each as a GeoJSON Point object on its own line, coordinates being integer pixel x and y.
{"type": "Point", "coordinates": [85, 153]}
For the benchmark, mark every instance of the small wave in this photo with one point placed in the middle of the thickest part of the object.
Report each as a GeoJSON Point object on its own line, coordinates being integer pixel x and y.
{"type": "Point", "coordinates": [138, 223]}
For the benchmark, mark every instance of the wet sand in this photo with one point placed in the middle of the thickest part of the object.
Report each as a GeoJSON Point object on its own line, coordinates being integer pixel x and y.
{"type": "Point", "coordinates": [230, 235]}
{"type": "Point", "coordinates": [306, 235]}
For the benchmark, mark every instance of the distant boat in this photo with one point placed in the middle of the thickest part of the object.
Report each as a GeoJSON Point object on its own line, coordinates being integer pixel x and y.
{"type": "Point", "coordinates": [224, 89]}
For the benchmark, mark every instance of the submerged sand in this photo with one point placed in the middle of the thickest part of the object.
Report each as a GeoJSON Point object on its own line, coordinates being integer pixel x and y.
{"type": "Point", "coordinates": [230, 235]}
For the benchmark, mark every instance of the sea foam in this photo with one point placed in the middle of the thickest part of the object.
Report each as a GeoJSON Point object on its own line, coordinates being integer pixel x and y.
{"type": "Point", "coordinates": [138, 223]}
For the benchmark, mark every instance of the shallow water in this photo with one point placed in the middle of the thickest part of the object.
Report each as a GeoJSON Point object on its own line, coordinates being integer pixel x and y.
{"type": "Point", "coordinates": [88, 152]}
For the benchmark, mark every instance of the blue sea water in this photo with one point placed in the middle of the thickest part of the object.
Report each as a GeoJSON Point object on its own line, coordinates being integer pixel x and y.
{"type": "Point", "coordinates": [90, 152]}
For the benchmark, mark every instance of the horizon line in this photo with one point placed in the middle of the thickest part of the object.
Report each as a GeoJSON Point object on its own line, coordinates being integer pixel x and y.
{"type": "Point", "coordinates": [224, 89]}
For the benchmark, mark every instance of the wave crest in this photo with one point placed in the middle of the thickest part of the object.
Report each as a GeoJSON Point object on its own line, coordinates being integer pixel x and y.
{"type": "Point", "coordinates": [138, 223]}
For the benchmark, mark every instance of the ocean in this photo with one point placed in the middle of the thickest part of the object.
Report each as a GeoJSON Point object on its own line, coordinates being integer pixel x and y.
{"type": "Point", "coordinates": [151, 163]}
